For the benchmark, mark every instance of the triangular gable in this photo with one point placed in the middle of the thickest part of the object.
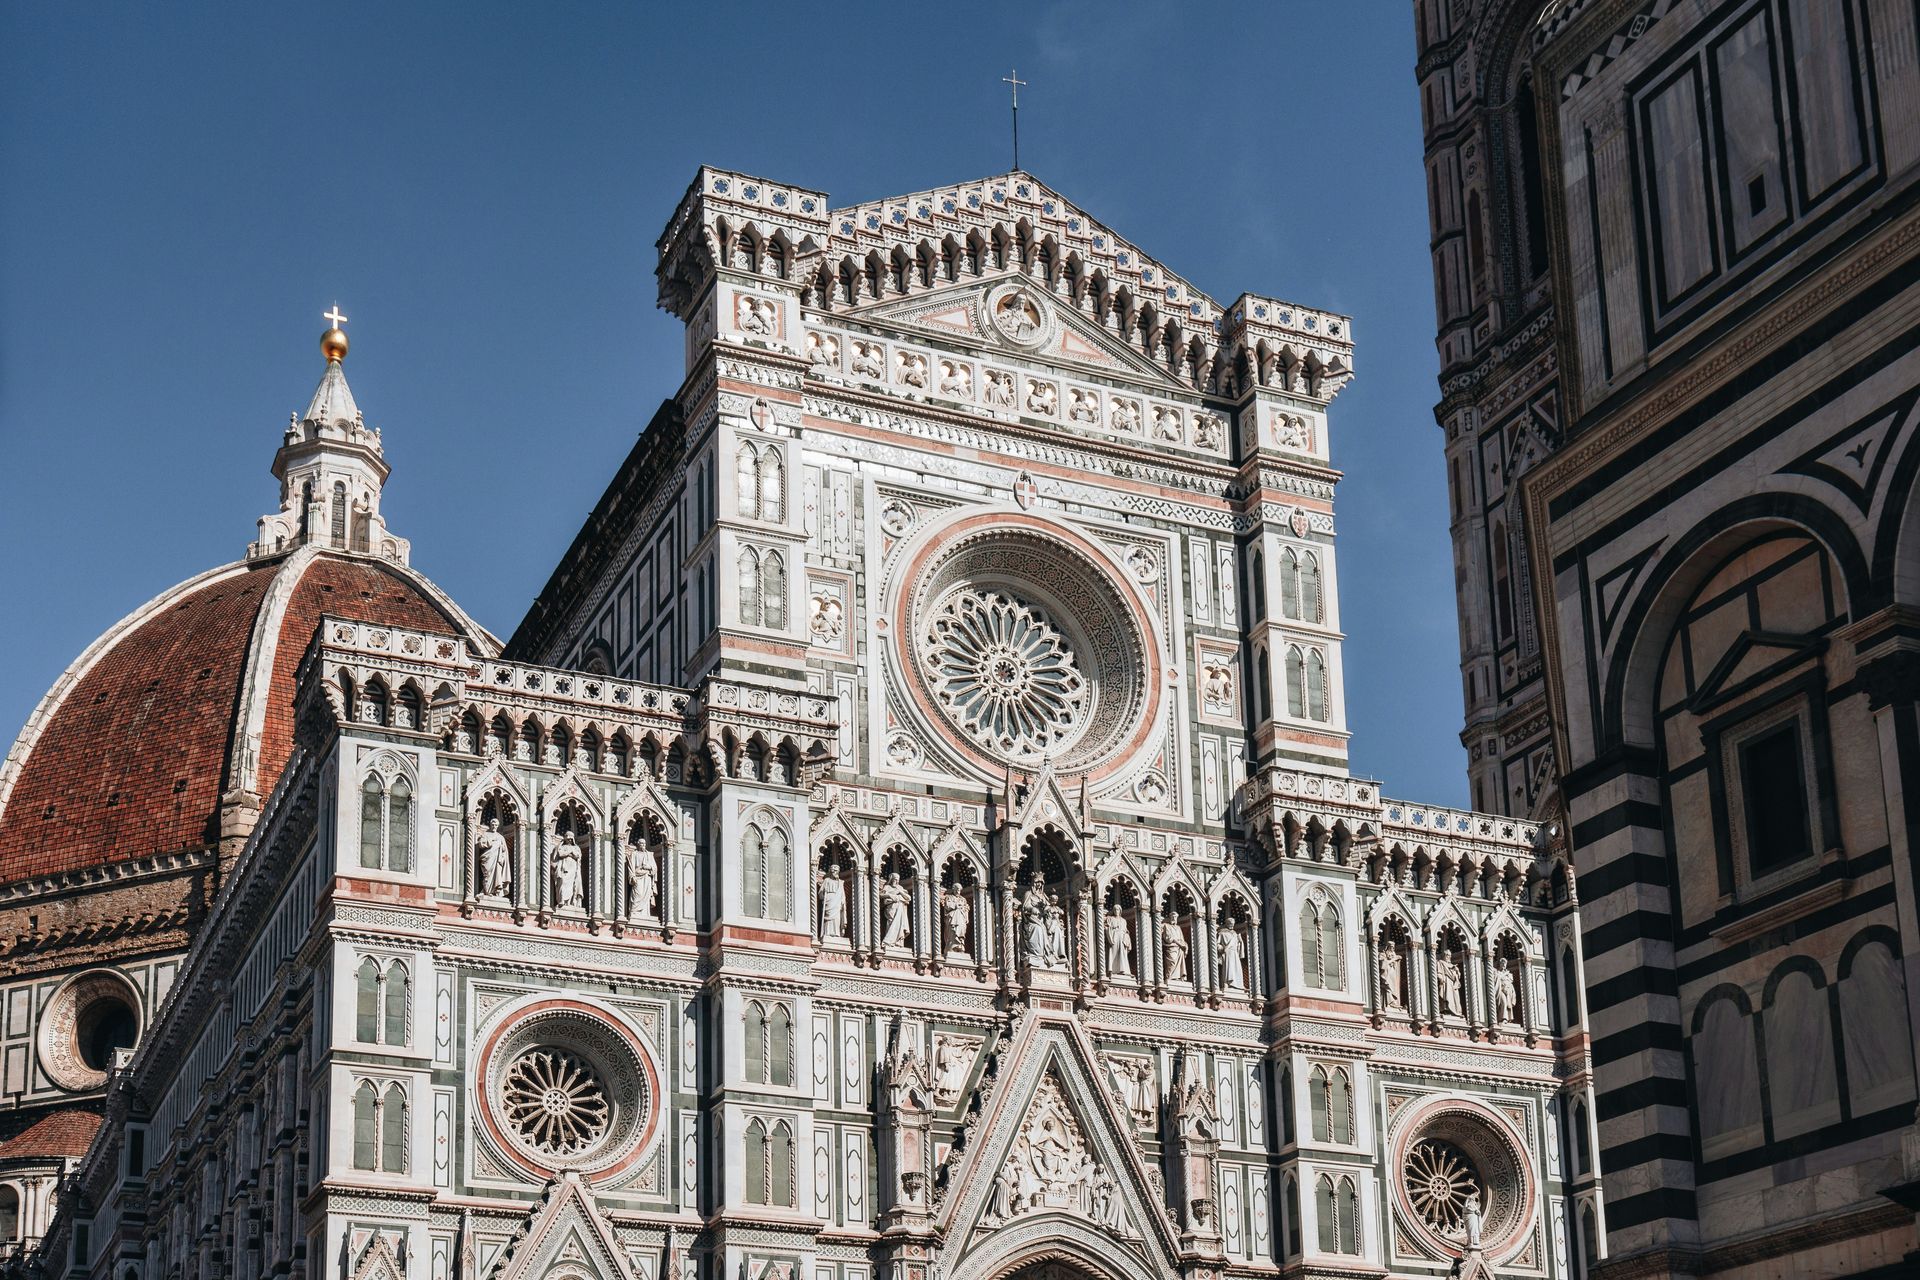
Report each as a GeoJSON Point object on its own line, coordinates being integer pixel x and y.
{"type": "Point", "coordinates": [566, 1229]}
{"type": "Point", "coordinates": [379, 1260]}
{"type": "Point", "coordinates": [1068, 336]}
{"type": "Point", "coordinates": [1052, 1145]}
{"type": "Point", "coordinates": [1042, 802]}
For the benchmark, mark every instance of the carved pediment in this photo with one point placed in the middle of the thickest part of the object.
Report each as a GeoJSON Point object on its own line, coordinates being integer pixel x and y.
{"type": "Point", "coordinates": [1014, 315]}
{"type": "Point", "coordinates": [567, 1235]}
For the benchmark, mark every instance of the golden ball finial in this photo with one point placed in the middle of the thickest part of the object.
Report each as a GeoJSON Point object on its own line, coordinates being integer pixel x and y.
{"type": "Point", "coordinates": [333, 343]}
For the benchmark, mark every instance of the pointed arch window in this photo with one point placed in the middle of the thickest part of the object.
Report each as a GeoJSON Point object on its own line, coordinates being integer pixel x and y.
{"type": "Point", "coordinates": [380, 1001]}
{"type": "Point", "coordinates": [1323, 1212]}
{"type": "Point", "coordinates": [1296, 682]}
{"type": "Point", "coordinates": [379, 1128]}
{"type": "Point", "coordinates": [780, 1171]}
{"type": "Point", "coordinates": [769, 1043]}
{"type": "Point", "coordinates": [1290, 584]}
{"type": "Point", "coordinates": [773, 590]}
{"type": "Point", "coordinates": [1322, 949]}
{"type": "Point", "coordinates": [758, 1174]}
{"type": "Point", "coordinates": [338, 535]}
{"type": "Point", "coordinates": [1582, 1141]}
{"type": "Point", "coordinates": [1502, 583]}
{"type": "Point", "coordinates": [1312, 602]}
{"type": "Point", "coordinates": [1293, 1216]}
{"type": "Point", "coordinates": [1340, 1106]}
{"type": "Point", "coordinates": [386, 822]}
{"type": "Point", "coordinates": [773, 485]}
{"type": "Point", "coordinates": [749, 587]}
{"type": "Point", "coordinates": [1286, 1105]}
{"type": "Point", "coordinates": [1349, 1217]}
{"type": "Point", "coordinates": [1316, 686]}
{"type": "Point", "coordinates": [766, 879]}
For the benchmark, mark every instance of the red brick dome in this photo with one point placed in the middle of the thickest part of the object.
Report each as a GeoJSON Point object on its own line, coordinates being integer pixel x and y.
{"type": "Point", "coordinates": [188, 699]}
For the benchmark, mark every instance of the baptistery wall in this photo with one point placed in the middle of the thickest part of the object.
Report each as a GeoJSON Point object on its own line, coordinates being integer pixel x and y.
{"type": "Point", "coordinates": [909, 837]}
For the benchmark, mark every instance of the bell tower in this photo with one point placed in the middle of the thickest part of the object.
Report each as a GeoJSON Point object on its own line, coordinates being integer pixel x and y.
{"type": "Point", "coordinates": [331, 469]}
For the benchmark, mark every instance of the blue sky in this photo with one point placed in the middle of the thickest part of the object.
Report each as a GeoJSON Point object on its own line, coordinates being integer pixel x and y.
{"type": "Point", "coordinates": [183, 189]}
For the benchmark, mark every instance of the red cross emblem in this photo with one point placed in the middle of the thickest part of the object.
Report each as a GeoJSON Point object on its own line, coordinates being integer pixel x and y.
{"type": "Point", "coordinates": [1025, 491]}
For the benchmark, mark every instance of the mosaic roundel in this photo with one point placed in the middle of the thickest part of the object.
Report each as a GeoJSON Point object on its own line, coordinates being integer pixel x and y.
{"type": "Point", "coordinates": [565, 1084]}
{"type": "Point", "coordinates": [1461, 1173]}
{"type": "Point", "coordinates": [1018, 641]}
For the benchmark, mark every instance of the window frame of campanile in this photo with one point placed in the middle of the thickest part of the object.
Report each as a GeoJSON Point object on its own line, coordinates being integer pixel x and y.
{"type": "Point", "coordinates": [1799, 705]}
{"type": "Point", "coordinates": [382, 1005]}
{"type": "Point", "coordinates": [381, 783]}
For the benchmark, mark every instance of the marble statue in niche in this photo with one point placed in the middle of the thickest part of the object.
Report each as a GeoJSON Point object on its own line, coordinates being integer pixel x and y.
{"type": "Point", "coordinates": [895, 903]}
{"type": "Point", "coordinates": [1173, 942]}
{"type": "Point", "coordinates": [1085, 407]}
{"type": "Point", "coordinates": [568, 888]}
{"type": "Point", "coordinates": [1124, 416]}
{"type": "Point", "coordinates": [1506, 1000]}
{"type": "Point", "coordinates": [1233, 959]}
{"type": "Point", "coordinates": [823, 349]}
{"type": "Point", "coordinates": [1166, 423]}
{"type": "Point", "coordinates": [1209, 431]}
{"type": "Point", "coordinates": [1446, 976]}
{"type": "Point", "coordinates": [1119, 943]}
{"type": "Point", "coordinates": [1392, 977]}
{"type": "Point", "coordinates": [496, 862]}
{"type": "Point", "coordinates": [958, 911]}
{"type": "Point", "coordinates": [643, 878]}
{"type": "Point", "coordinates": [833, 904]}
{"type": "Point", "coordinates": [867, 360]}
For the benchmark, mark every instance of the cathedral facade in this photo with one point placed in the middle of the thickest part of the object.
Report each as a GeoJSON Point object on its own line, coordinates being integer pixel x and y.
{"type": "Point", "coordinates": [1676, 269]}
{"type": "Point", "coordinates": [910, 837]}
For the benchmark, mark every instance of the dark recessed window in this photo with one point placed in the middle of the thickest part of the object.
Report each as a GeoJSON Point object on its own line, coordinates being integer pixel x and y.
{"type": "Point", "coordinates": [1775, 787]}
{"type": "Point", "coordinates": [1757, 197]}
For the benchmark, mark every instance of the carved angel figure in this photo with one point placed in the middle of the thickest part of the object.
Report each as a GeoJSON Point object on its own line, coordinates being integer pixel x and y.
{"type": "Point", "coordinates": [1119, 944]}
{"type": "Point", "coordinates": [895, 899]}
{"type": "Point", "coordinates": [642, 877]}
{"type": "Point", "coordinates": [568, 891]}
{"type": "Point", "coordinates": [496, 862]}
{"type": "Point", "coordinates": [757, 315]}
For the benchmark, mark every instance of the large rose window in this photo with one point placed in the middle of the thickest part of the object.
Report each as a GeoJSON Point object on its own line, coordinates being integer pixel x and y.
{"type": "Point", "coordinates": [555, 1101]}
{"type": "Point", "coordinates": [1004, 672]}
{"type": "Point", "coordinates": [1018, 640]}
{"type": "Point", "coordinates": [1463, 1180]}
{"type": "Point", "coordinates": [566, 1085]}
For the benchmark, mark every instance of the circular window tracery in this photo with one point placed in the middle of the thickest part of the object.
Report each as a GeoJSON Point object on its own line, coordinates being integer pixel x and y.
{"type": "Point", "coordinates": [556, 1101]}
{"type": "Point", "coordinates": [1004, 671]}
{"type": "Point", "coordinates": [565, 1084]}
{"type": "Point", "coordinates": [1463, 1178]}
{"type": "Point", "coordinates": [1018, 640]}
{"type": "Point", "coordinates": [1440, 1180]}
{"type": "Point", "coordinates": [87, 1022]}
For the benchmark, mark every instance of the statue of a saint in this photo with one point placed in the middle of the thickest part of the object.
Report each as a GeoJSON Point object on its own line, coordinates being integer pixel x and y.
{"type": "Point", "coordinates": [1033, 916]}
{"type": "Point", "coordinates": [1056, 930]}
{"type": "Point", "coordinates": [958, 911]}
{"type": "Point", "coordinates": [643, 875]}
{"type": "Point", "coordinates": [1233, 959]}
{"type": "Point", "coordinates": [1506, 1000]}
{"type": "Point", "coordinates": [1108, 1211]}
{"type": "Point", "coordinates": [895, 900]}
{"type": "Point", "coordinates": [1173, 943]}
{"type": "Point", "coordinates": [833, 904]}
{"type": "Point", "coordinates": [496, 862]}
{"type": "Point", "coordinates": [1446, 973]}
{"type": "Point", "coordinates": [1470, 1216]}
{"type": "Point", "coordinates": [568, 890]}
{"type": "Point", "coordinates": [1391, 970]}
{"type": "Point", "coordinates": [1119, 943]}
